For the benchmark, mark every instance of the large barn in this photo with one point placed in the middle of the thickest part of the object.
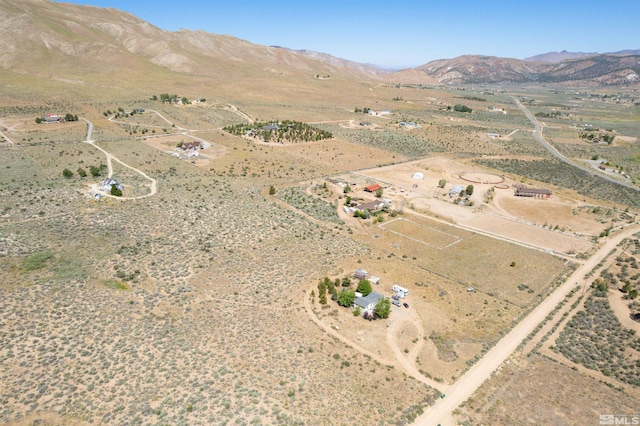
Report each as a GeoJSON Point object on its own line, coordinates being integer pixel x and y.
{"type": "Point", "coordinates": [533, 192]}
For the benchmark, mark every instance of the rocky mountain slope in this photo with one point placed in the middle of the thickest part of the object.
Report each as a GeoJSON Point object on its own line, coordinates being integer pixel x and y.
{"type": "Point", "coordinates": [590, 70]}
{"type": "Point", "coordinates": [114, 50]}
{"type": "Point", "coordinates": [555, 57]}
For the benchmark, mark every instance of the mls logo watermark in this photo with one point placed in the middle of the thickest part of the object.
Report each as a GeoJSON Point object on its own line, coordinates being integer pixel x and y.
{"type": "Point", "coordinates": [619, 419]}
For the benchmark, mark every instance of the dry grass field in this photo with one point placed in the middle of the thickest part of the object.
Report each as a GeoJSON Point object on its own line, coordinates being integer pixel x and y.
{"type": "Point", "coordinates": [190, 306]}
{"type": "Point", "coordinates": [549, 390]}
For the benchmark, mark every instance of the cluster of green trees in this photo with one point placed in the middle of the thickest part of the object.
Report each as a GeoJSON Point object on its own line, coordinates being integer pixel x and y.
{"type": "Point", "coordinates": [346, 297]}
{"type": "Point", "coordinates": [115, 191]}
{"type": "Point", "coordinates": [119, 113]}
{"type": "Point", "coordinates": [598, 137]}
{"type": "Point", "coordinates": [283, 131]}
{"type": "Point", "coordinates": [464, 196]}
{"type": "Point", "coordinates": [327, 286]}
{"type": "Point", "coordinates": [166, 98]}
{"type": "Point", "coordinates": [362, 110]}
{"type": "Point", "coordinates": [474, 98]}
{"type": "Point", "coordinates": [94, 170]}
{"type": "Point", "coordinates": [553, 114]}
{"type": "Point", "coordinates": [461, 108]}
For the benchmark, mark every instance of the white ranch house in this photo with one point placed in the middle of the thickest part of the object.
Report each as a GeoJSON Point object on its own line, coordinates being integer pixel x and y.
{"type": "Point", "coordinates": [367, 303]}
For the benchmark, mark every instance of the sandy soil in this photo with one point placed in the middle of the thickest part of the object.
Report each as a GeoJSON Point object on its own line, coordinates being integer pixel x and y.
{"type": "Point", "coordinates": [170, 142]}
{"type": "Point", "coordinates": [441, 411]}
{"type": "Point", "coordinates": [624, 140]}
{"type": "Point", "coordinates": [520, 219]}
{"type": "Point", "coordinates": [620, 307]}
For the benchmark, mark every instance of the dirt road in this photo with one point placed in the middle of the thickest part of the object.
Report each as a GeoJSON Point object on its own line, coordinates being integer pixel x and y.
{"type": "Point", "coordinates": [404, 362]}
{"type": "Point", "coordinates": [408, 361]}
{"type": "Point", "coordinates": [240, 113]}
{"type": "Point", "coordinates": [441, 411]}
{"type": "Point", "coordinates": [7, 139]}
{"type": "Point", "coordinates": [110, 158]}
{"type": "Point", "coordinates": [537, 135]}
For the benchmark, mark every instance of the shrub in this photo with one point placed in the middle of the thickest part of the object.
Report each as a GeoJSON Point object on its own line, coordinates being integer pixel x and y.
{"type": "Point", "coordinates": [461, 108]}
{"type": "Point", "coordinates": [116, 285]}
{"type": "Point", "coordinates": [37, 260]}
{"type": "Point", "coordinates": [115, 191]}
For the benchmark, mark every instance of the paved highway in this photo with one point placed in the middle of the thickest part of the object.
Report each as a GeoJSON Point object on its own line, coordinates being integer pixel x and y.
{"type": "Point", "coordinates": [537, 135]}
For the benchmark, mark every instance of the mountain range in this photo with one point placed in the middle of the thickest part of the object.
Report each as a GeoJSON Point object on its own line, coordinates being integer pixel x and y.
{"type": "Point", "coordinates": [555, 57]}
{"type": "Point", "coordinates": [111, 49]}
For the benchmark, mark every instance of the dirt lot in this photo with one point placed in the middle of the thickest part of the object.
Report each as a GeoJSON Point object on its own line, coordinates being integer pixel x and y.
{"type": "Point", "coordinates": [519, 219]}
{"type": "Point", "coordinates": [547, 387]}
{"type": "Point", "coordinates": [170, 143]}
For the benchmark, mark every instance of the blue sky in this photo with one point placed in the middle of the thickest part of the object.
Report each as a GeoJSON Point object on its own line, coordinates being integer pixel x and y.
{"type": "Point", "coordinates": [405, 33]}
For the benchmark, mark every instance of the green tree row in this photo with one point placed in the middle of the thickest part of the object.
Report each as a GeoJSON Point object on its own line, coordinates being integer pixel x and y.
{"type": "Point", "coordinates": [94, 170]}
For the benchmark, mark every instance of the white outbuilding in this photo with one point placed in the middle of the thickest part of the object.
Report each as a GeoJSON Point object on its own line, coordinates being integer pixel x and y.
{"type": "Point", "coordinates": [418, 175]}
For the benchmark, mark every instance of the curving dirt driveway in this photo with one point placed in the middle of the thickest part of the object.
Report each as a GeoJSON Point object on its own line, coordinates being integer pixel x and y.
{"type": "Point", "coordinates": [621, 309]}
{"type": "Point", "coordinates": [110, 158]}
{"type": "Point", "coordinates": [408, 361]}
{"type": "Point", "coordinates": [332, 332]}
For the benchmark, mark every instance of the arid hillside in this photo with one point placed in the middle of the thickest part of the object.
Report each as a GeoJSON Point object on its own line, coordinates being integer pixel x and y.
{"type": "Point", "coordinates": [594, 70]}
{"type": "Point", "coordinates": [93, 49]}
{"type": "Point", "coordinates": [107, 49]}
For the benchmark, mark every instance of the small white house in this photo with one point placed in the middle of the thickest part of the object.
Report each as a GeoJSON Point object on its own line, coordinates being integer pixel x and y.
{"type": "Point", "coordinates": [455, 190]}
{"type": "Point", "coordinates": [108, 182]}
{"type": "Point", "coordinates": [367, 303]}
{"type": "Point", "coordinates": [418, 175]}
